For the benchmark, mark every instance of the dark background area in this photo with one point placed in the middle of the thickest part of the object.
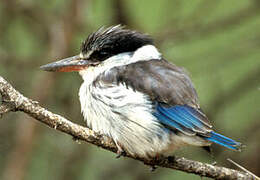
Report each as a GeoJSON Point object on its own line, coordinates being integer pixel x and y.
{"type": "Point", "coordinates": [216, 41]}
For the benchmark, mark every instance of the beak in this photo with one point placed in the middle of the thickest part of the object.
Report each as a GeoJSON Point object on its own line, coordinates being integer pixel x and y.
{"type": "Point", "coordinates": [70, 64]}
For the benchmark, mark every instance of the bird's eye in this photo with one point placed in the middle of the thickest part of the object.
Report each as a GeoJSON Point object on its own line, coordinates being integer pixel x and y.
{"type": "Point", "coordinates": [99, 55]}
{"type": "Point", "coordinates": [103, 53]}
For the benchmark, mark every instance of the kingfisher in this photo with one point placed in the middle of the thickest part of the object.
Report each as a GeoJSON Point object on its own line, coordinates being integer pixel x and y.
{"type": "Point", "coordinates": [130, 93]}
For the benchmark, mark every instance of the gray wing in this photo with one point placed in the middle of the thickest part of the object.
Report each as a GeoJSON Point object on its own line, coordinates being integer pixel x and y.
{"type": "Point", "coordinates": [168, 86]}
{"type": "Point", "coordinates": [162, 81]}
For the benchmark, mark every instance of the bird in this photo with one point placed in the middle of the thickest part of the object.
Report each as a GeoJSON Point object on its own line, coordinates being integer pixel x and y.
{"type": "Point", "coordinates": [132, 94]}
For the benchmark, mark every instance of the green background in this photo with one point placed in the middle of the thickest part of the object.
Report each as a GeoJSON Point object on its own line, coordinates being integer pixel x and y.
{"type": "Point", "coordinates": [216, 41]}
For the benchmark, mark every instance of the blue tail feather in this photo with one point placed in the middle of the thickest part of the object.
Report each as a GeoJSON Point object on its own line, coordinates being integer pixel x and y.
{"type": "Point", "coordinates": [223, 141]}
{"type": "Point", "coordinates": [191, 122]}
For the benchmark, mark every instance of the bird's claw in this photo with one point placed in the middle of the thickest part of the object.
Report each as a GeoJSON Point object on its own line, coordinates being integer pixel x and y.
{"type": "Point", "coordinates": [76, 139]}
{"type": "Point", "coordinates": [120, 153]}
{"type": "Point", "coordinates": [214, 163]}
{"type": "Point", "coordinates": [153, 168]}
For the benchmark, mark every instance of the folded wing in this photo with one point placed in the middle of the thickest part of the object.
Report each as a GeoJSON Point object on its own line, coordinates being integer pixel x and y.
{"type": "Point", "coordinates": [173, 95]}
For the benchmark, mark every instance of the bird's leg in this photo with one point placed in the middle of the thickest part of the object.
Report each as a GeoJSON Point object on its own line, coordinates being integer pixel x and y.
{"type": "Point", "coordinates": [156, 158]}
{"type": "Point", "coordinates": [209, 150]}
{"type": "Point", "coordinates": [120, 152]}
{"type": "Point", "coordinates": [153, 168]}
{"type": "Point", "coordinates": [159, 158]}
{"type": "Point", "coordinates": [170, 159]}
{"type": "Point", "coordinates": [214, 163]}
{"type": "Point", "coordinates": [76, 139]}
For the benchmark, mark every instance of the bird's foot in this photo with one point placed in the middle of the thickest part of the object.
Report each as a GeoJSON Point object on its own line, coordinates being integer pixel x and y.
{"type": "Point", "coordinates": [214, 163]}
{"type": "Point", "coordinates": [208, 149]}
{"type": "Point", "coordinates": [160, 158]}
{"type": "Point", "coordinates": [76, 139]}
{"type": "Point", "coordinates": [171, 159]}
{"type": "Point", "coordinates": [155, 160]}
{"type": "Point", "coordinates": [120, 153]}
{"type": "Point", "coordinates": [153, 168]}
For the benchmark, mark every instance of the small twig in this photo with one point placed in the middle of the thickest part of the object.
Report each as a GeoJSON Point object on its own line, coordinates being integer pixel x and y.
{"type": "Point", "coordinates": [242, 168]}
{"type": "Point", "coordinates": [58, 122]}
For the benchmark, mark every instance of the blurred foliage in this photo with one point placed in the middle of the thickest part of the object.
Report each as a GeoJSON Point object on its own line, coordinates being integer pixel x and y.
{"type": "Point", "coordinates": [216, 41]}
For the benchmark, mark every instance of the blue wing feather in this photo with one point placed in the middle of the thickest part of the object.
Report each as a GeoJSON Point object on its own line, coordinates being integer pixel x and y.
{"type": "Point", "coordinates": [191, 121]}
{"type": "Point", "coordinates": [169, 121]}
{"type": "Point", "coordinates": [185, 113]}
{"type": "Point", "coordinates": [171, 113]}
{"type": "Point", "coordinates": [187, 121]}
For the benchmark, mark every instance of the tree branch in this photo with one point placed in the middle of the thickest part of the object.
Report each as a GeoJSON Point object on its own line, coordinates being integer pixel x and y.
{"type": "Point", "coordinates": [33, 109]}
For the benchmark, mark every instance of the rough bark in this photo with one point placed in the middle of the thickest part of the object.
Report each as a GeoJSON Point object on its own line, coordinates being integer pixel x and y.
{"type": "Point", "coordinates": [12, 100]}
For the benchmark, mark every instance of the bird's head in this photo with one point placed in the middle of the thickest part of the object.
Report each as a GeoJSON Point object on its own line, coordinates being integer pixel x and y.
{"type": "Point", "coordinates": [99, 47]}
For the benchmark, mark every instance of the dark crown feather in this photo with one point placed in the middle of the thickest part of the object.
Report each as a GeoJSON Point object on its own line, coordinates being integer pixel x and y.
{"type": "Point", "coordinates": [114, 40]}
